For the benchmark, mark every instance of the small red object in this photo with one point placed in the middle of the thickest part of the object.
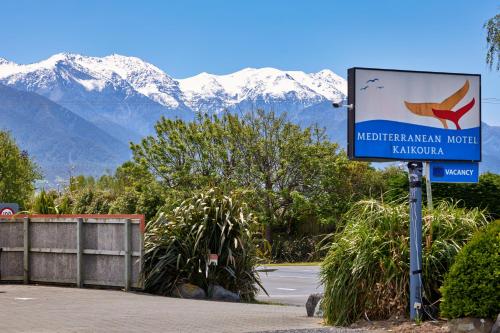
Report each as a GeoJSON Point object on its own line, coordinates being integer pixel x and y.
{"type": "Point", "coordinates": [213, 259]}
{"type": "Point", "coordinates": [454, 116]}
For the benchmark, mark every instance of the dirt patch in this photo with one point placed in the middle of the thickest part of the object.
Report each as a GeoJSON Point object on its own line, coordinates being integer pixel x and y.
{"type": "Point", "coordinates": [403, 326]}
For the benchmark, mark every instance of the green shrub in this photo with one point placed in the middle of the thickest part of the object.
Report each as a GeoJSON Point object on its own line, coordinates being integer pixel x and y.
{"type": "Point", "coordinates": [472, 287]}
{"type": "Point", "coordinates": [366, 270]}
{"type": "Point", "coordinates": [92, 201]}
{"type": "Point", "coordinates": [43, 203]}
{"type": "Point", "coordinates": [295, 249]}
{"type": "Point", "coordinates": [178, 243]}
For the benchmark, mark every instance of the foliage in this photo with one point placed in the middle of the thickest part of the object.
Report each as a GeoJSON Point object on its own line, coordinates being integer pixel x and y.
{"type": "Point", "coordinates": [17, 172]}
{"type": "Point", "coordinates": [302, 249]}
{"type": "Point", "coordinates": [43, 203]}
{"type": "Point", "coordinates": [397, 184]}
{"type": "Point", "coordinates": [131, 189]}
{"type": "Point", "coordinates": [178, 243]}
{"type": "Point", "coordinates": [366, 268]}
{"type": "Point", "coordinates": [485, 194]}
{"type": "Point", "coordinates": [493, 41]}
{"type": "Point", "coordinates": [91, 201]}
{"type": "Point", "coordinates": [287, 173]}
{"type": "Point", "coordinates": [471, 288]}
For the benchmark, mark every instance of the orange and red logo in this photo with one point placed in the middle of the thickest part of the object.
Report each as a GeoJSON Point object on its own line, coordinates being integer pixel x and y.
{"type": "Point", "coordinates": [443, 111]}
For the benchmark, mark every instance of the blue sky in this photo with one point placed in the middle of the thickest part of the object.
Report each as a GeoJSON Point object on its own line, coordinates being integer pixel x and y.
{"type": "Point", "coordinates": [187, 37]}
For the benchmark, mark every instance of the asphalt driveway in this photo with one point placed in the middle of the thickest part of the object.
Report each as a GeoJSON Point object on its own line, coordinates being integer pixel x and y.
{"type": "Point", "coordinates": [290, 285]}
{"type": "Point", "coordinates": [57, 309]}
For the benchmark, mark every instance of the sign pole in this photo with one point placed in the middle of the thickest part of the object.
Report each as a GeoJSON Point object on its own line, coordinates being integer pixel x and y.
{"type": "Point", "coordinates": [415, 177]}
{"type": "Point", "coordinates": [428, 186]}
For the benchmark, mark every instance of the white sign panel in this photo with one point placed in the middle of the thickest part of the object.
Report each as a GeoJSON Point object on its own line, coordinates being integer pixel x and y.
{"type": "Point", "coordinates": [406, 115]}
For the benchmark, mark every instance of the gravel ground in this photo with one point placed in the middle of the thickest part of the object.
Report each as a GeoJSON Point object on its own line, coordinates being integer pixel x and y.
{"type": "Point", "coordinates": [321, 330]}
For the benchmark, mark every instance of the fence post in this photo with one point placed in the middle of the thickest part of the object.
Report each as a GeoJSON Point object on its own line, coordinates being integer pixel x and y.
{"type": "Point", "coordinates": [26, 257]}
{"type": "Point", "coordinates": [79, 252]}
{"type": "Point", "coordinates": [128, 254]}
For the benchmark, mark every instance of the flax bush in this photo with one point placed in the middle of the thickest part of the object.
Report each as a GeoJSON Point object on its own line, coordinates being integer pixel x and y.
{"type": "Point", "coordinates": [178, 243]}
{"type": "Point", "coordinates": [366, 269]}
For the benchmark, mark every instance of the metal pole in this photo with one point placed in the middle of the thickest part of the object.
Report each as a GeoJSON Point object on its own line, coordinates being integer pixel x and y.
{"type": "Point", "coordinates": [415, 175]}
{"type": "Point", "coordinates": [428, 187]}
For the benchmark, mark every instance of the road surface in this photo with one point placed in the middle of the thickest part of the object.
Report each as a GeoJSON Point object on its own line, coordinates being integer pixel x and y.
{"type": "Point", "coordinates": [55, 309]}
{"type": "Point", "coordinates": [290, 285]}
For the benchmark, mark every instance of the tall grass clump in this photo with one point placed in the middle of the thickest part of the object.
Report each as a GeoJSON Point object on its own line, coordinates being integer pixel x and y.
{"type": "Point", "coordinates": [366, 271]}
{"type": "Point", "coordinates": [178, 244]}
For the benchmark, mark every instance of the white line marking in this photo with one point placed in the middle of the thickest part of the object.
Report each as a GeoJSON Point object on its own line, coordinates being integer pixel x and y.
{"type": "Point", "coordinates": [296, 277]}
{"type": "Point", "coordinates": [23, 298]}
{"type": "Point", "coordinates": [287, 289]}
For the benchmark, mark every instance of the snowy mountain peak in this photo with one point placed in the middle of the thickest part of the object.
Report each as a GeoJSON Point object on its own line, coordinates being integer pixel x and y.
{"type": "Point", "coordinates": [203, 92]}
{"type": "Point", "coordinates": [4, 61]}
{"type": "Point", "coordinates": [261, 84]}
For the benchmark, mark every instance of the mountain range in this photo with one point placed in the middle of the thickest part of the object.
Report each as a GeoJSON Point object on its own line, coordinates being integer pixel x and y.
{"type": "Point", "coordinates": [75, 113]}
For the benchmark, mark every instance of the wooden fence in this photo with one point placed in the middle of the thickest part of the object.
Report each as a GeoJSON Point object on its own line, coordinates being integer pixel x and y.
{"type": "Point", "coordinates": [100, 250]}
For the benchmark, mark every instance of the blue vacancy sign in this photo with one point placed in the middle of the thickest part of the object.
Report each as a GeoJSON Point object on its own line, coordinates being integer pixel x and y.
{"type": "Point", "coordinates": [416, 116]}
{"type": "Point", "coordinates": [454, 172]}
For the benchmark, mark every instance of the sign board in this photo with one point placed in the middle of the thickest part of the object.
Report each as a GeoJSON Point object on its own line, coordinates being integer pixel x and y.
{"type": "Point", "coordinates": [454, 172]}
{"type": "Point", "coordinates": [413, 116]}
{"type": "Point", "coordinates": [8, 208]}
{"type": "Point", "coordinates": [213, 258]}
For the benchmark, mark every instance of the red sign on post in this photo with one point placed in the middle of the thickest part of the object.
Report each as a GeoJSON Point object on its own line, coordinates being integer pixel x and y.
{"type": "Point", "coordinates": [213, 259]}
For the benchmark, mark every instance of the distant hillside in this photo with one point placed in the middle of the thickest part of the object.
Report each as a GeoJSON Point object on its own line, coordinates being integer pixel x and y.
{"type": "Point", "coordinates": [57, 139]}
{"type": "Point", "coordinates": [123, 97]}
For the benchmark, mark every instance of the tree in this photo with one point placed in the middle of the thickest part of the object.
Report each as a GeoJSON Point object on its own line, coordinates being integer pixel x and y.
{"type": "Point", "coordinates": [17, 172]}
{"type": "Point", "coordinates": [485, 194]}
{"type": "Point", "coordinates": [493, 41]}
{"type": "Point", "coordinates": [271, 161]}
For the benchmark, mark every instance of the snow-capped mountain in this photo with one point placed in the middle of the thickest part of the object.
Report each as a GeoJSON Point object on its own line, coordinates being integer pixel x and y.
{"type": "Point", "coordinates": [125, 96]}
{"type": "Point", "coordinates": [118, 94]}
{"type": "Point", "coordinates": [132, 76]}
{"type": "Point", "coordinates": [269, 86]}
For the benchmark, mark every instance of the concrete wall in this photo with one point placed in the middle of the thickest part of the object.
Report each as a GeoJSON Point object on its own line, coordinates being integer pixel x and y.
{"type": "Point", "coordinates": [102, 250]}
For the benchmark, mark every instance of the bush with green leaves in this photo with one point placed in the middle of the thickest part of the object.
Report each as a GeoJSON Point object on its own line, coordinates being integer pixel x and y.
{"type": "Point", "coordinates": [43, 203]}
{"type": "Point", "coordinates": [366, 271]}
{"type": "Point", "coordinates": [178, 243]}
{"type": "Point", "coordinates": [295, 249]}
{"type": "Point", "coordinates": [18, 172]}
{"type": "Point", "coordinates": [472, 287]}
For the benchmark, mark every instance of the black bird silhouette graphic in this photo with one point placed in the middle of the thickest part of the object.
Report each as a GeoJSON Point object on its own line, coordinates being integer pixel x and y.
{"type": "Point", "coordinates": [364, 88]}
{"type": "Point", "coordinates": [372, 80]}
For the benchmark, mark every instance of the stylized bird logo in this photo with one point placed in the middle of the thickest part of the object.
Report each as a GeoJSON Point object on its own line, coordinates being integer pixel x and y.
{"type": "Point", "coordinates": [364, 88]}
{"type": "Point", "coordinates": [442, 111]}
{"type": "Point", "coordinates": [372, 80]}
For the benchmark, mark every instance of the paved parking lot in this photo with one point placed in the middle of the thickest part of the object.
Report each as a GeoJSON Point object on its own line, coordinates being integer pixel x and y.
{"type": "Point", "coordinates": [56, 309]}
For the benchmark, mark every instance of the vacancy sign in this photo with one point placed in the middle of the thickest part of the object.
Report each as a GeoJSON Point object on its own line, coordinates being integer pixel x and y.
{"type": "Point", "coordinates": [454, 172]}
{"type": "Point", "coordinates": [417, 116]}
